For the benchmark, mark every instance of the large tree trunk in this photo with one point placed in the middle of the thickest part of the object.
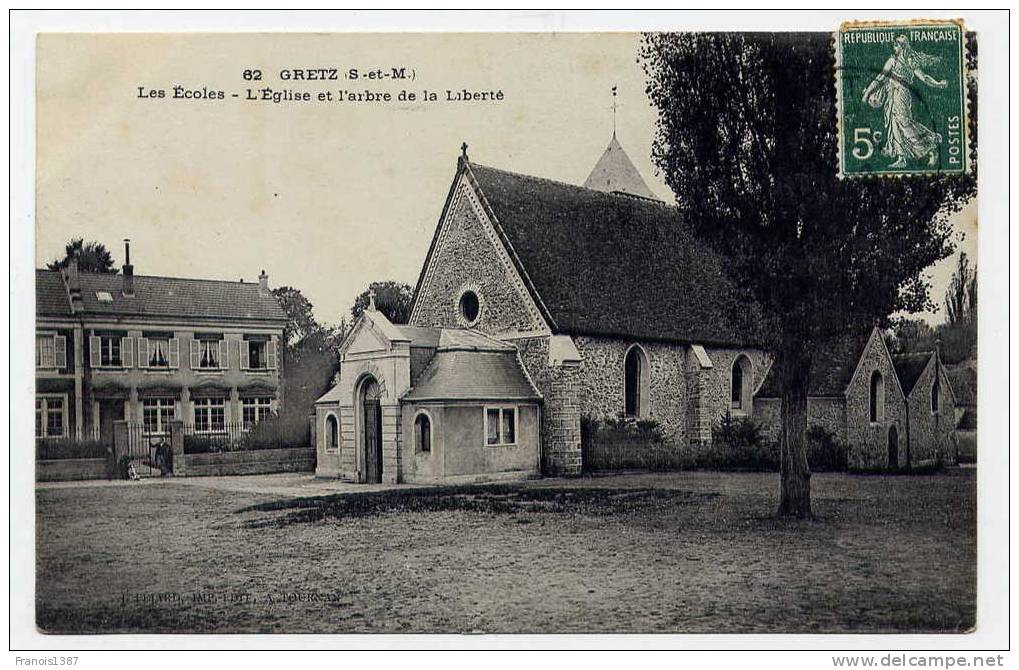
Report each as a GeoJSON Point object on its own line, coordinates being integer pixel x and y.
{"type": "Point", "coordinates": [795, 500]}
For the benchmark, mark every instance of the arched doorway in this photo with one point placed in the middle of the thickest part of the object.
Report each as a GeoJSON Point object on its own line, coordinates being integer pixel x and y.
{"type": "Point", "coordinates": [371, 425]}
{"type": "Point", "coordinates": [893, 448]}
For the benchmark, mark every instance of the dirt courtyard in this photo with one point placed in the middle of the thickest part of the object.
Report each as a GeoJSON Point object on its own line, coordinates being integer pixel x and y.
{"type": "Point", "coordinates": [675, 552]}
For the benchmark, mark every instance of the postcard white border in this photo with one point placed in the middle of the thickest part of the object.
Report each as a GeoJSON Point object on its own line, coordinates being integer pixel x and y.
{"type": "Point", "coordinates": [994, 465]}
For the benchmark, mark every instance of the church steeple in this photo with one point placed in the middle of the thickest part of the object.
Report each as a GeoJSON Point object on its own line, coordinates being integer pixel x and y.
{"type": "Point", "coordinates": [614, 171]}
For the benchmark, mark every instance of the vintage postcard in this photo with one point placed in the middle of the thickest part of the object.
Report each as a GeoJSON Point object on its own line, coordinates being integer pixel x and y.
{"type": "Point", "coordinates": [508, 332]}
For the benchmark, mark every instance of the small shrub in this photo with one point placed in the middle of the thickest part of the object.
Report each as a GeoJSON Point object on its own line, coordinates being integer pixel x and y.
{"type": "Point", "coordinates": [207, 444]}
{"type": "Point", "coordinates": [621, 443]}
{"type": "Point", "coordinates": [737, 443]}
{"type": "Point", "coordinates": [69, 447]}
{"type": "Point", "coordinates": [824, 452]}
{"type": "Point", "coordinates": [967, 448]}
{"type": "Point", "coordinates": [266, 434]}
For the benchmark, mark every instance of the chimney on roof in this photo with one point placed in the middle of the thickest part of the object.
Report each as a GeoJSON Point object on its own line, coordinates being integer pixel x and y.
{"type": "Point", "coordinates": [263, 283]}
{"type": "Point", "coordinates": [73, 283]}
{"type": "Point", "coordinates": [128, 270]}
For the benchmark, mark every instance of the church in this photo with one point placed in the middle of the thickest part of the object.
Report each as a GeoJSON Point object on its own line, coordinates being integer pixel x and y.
{"type": "Point", "coordinates": [542, 302]}
{"type": "Point", "coordinates": [539, 302]}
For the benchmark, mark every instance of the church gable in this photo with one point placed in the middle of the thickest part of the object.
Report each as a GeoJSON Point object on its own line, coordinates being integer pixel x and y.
{"type": "Point", "coordinates": [469, 279]}
{"type": "Point", "coordinates": [364, 340]}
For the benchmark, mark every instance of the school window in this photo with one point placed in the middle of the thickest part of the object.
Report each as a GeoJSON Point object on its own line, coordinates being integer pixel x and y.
{"type": "Point", "coordinates": [109, 351]}
{"type": "Point", "coordinates": [208, 354]}
{"type": "Point", "coordinates": [256, 355]}
{"type": "Point", "coordinates": [45, 351]}
{"type": "Point", "coordinates": [159, 352]}
{"type": "Point", "coordinates": [254, 410]}
{"type": "Point", "coordinates": [210, 415]}
{"type": "Point", "coordinates": [500, 425]}
{"type": "Point", "coordinates": [50, 417]}
{"type": "Point", "coordinates": [157, 413]}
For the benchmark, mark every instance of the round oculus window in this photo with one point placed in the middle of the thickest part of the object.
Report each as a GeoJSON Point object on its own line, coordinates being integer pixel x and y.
{"type": "Point", "coordinates": [469, 306]}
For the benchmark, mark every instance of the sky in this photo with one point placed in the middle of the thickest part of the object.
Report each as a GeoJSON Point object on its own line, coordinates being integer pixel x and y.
{"type": "Point", "coordinates": [326, 197]}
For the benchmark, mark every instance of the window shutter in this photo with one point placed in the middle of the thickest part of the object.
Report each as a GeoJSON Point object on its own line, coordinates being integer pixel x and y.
{"type": "Point", "coordinates": [224, 353]}
{"type": "Point", "coordinates": [60, 352]}
{"type": "Point", "coordinates": [94, 345]}
{"type": "Point", "coordinates": [174, 354]}
{"type": "Point", "coordinates": [194, 354]}
{"type": "Point", "coordinates": [270, 354]}
{"type": "Point", "coordinates": [127, 352]}
{"type": "Point", "coordinates": [245, 358]}
{"type": "Point", "coordinates": [143, 352]}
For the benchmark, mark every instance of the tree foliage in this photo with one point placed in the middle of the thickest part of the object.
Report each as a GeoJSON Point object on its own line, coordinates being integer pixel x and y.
{"type": "Point", "coordinates": [308, 372]}
{"type": "Point", "coordinates": [300, 319]}
{"type": "Point", "coordinates": [311, 361]}
{"type": "Point", "coordinates": [961, 297]}
{"type": "Point", "coordinates": [746, 140]}
{"type": "Point", "coordinates": [391, 298]}
{"type": "Point", "coordinates": [92, 257]}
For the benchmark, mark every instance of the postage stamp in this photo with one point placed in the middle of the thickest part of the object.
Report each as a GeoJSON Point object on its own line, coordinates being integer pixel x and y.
{"type": "Point", "coordinates": [901, 96]}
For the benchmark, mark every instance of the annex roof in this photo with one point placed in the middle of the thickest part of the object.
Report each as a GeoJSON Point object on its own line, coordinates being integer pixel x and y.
{"type": "Point", "coordinates": [479, 375]}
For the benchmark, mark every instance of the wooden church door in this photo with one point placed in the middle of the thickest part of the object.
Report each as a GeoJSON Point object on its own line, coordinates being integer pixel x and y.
{"type": "Point", "coordinates": [372, 419]}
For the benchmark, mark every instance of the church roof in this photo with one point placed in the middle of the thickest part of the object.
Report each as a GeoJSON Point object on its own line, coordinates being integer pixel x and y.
{"type": "Point", "coordinates": [610, 264]}
{"type": "Point", "coordinates": [909, 367]}
{"type": "Point", "coordinates": [830, 374]}
{"type": "Point", "coordinates": [614, 171]}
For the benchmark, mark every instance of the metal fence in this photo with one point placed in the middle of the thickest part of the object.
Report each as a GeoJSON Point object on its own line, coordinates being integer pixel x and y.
{"type": "Point", "coordinates": [142, 441]}
{"type": "Point", "coordinates": [202, 438]}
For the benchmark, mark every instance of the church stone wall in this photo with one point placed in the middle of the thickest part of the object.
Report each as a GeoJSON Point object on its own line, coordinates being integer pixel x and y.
{"type": "Point", "coordinates": [561, 410]}
{"type": "Point", "coordinates": [868, 442]}
{"type": "Point", "coordinates": [466, 256]}
{"type": "Point", "coordinates": [601, 382]}
{"type": "Point", "coordinates": [716, 384]}
{"type": "Point", "coordinates": [828, 413]}
{"type": "Point", "coordinates": [931, 434]}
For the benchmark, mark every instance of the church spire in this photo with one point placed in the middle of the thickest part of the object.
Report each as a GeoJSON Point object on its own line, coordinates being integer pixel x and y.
{"type": "Point", "coordinates": [614, 171]}
{"type": "Point", "coordinates": [614, 111]}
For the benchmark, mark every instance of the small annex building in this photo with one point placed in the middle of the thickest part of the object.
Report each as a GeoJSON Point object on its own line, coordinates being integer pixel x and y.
{"type": "Point", "coordinates": [891, 412]}
{"type": "Point", "coordinates": [427, 405]}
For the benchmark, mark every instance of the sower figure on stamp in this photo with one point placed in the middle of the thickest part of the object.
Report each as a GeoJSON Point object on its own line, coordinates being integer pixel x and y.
{"type": "Point", "coordinates": [905, 137]}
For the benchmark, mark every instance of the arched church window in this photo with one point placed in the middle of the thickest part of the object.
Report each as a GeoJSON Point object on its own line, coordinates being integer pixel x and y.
{"type": "Point", "coordinates": [740, 384]}
{"type": "Point", "coordinates": [423, 433]}
{"type": "Point", "coordinates": [635, 383]}
{"type": "Point", "coordinates": [877, 397]}
{"type": "Point", "coordinates": [332, 432]}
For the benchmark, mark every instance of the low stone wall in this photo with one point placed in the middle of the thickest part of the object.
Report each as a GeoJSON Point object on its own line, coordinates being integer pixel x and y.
{"type": "Point", "coordinates": [70, 469]}
{"type": "Point", "coordinates": [255, 462]}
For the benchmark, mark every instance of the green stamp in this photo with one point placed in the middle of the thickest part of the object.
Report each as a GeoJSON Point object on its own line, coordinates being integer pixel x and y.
{"type": "Point", "coordinates": [901, 96]}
